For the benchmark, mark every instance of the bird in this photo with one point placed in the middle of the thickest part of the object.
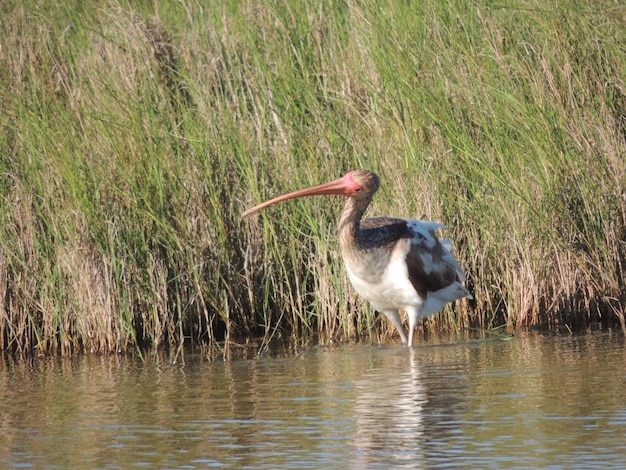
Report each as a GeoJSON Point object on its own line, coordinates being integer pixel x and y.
{"type": "Point", "coordinates": [393, 263]}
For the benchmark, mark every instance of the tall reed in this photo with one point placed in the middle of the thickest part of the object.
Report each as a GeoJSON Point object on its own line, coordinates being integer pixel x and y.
{"type": "Point", "coordinates": [135, 134]}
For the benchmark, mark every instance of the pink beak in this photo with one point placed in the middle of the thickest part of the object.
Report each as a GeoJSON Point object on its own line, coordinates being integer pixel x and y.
{"type": "Point", "coordinates": [342, 186]}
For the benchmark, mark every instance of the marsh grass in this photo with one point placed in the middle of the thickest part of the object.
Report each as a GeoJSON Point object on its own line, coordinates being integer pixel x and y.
{"type": "Point", "coordinates": [134, 138]}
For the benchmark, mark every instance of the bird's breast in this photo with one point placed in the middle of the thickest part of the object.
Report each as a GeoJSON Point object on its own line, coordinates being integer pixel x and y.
{"type": "Point", "coordinates": [382, 278]}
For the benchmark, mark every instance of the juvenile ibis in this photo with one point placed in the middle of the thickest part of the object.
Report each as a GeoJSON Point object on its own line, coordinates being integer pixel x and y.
{"type": "Point", "coordinates": [393, 263]}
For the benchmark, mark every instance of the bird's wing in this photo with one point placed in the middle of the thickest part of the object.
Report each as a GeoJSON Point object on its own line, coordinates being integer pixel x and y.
{"type": "Point", "coordinates": [377, 232]}
{"type": "Point", "coordinates": [430, 264]}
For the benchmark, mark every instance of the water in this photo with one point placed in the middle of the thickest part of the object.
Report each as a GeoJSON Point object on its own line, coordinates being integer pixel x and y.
{"type": "Point", "coordinates": [534, 401]}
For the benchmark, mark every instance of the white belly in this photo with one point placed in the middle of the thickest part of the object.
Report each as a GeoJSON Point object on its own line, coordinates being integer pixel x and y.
{"type": "Point", "coordinates": [391, 290]}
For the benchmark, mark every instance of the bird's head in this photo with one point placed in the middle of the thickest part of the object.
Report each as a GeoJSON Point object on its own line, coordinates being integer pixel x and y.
{"type": "Point", "coordinates": [361, 184]}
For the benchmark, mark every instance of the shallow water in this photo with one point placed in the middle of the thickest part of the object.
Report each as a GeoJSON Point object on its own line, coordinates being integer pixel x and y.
{"type": "Point", "coordinates": [533, 401]}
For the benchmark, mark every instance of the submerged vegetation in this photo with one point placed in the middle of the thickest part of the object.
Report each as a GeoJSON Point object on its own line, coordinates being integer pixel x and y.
{"type": "Point", "coordinates": [132, 139]}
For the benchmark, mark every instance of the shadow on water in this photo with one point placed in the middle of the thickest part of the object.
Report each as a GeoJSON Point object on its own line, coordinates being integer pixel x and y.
{"type": "Point", "coordinates": [534, 401]}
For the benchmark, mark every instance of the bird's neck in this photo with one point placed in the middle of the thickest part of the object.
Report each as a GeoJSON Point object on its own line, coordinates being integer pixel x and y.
{"type": "Point", "coordinates": [349, 224]}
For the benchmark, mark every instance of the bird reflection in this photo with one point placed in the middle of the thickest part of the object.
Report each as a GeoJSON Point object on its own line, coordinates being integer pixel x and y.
{"type": "Point", "coordinates": [390, 413]}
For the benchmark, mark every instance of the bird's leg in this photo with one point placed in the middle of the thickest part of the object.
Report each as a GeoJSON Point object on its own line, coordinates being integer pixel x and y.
{"type": "Point", "coordinates": [413, 315]}
{"type": "Point", "coordinates": [394, 316]}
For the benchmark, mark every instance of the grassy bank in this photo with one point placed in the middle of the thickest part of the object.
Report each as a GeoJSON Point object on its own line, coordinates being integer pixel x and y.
{"type": "Point", "coordinates": [133, 139]}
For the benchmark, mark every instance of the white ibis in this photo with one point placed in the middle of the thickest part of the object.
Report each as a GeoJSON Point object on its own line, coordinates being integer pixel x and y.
{"type": "Point", "coordinates": [395, 264]}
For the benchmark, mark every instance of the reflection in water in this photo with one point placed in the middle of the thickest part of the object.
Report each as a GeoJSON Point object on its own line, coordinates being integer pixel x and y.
{"type": "Point", "coordinates": [410, 407]}
{"type": "Point", "coordinates": [554, 402]}
{"type": "Point", "coordinates": [389, 411]}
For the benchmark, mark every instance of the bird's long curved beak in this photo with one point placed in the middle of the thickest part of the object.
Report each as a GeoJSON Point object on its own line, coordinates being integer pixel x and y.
{"type": "Point", "coordinates": [339, 186]}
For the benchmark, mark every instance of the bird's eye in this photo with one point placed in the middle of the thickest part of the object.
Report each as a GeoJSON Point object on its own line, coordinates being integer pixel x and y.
{"type": "Point", "coordinates": [359, 189]}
